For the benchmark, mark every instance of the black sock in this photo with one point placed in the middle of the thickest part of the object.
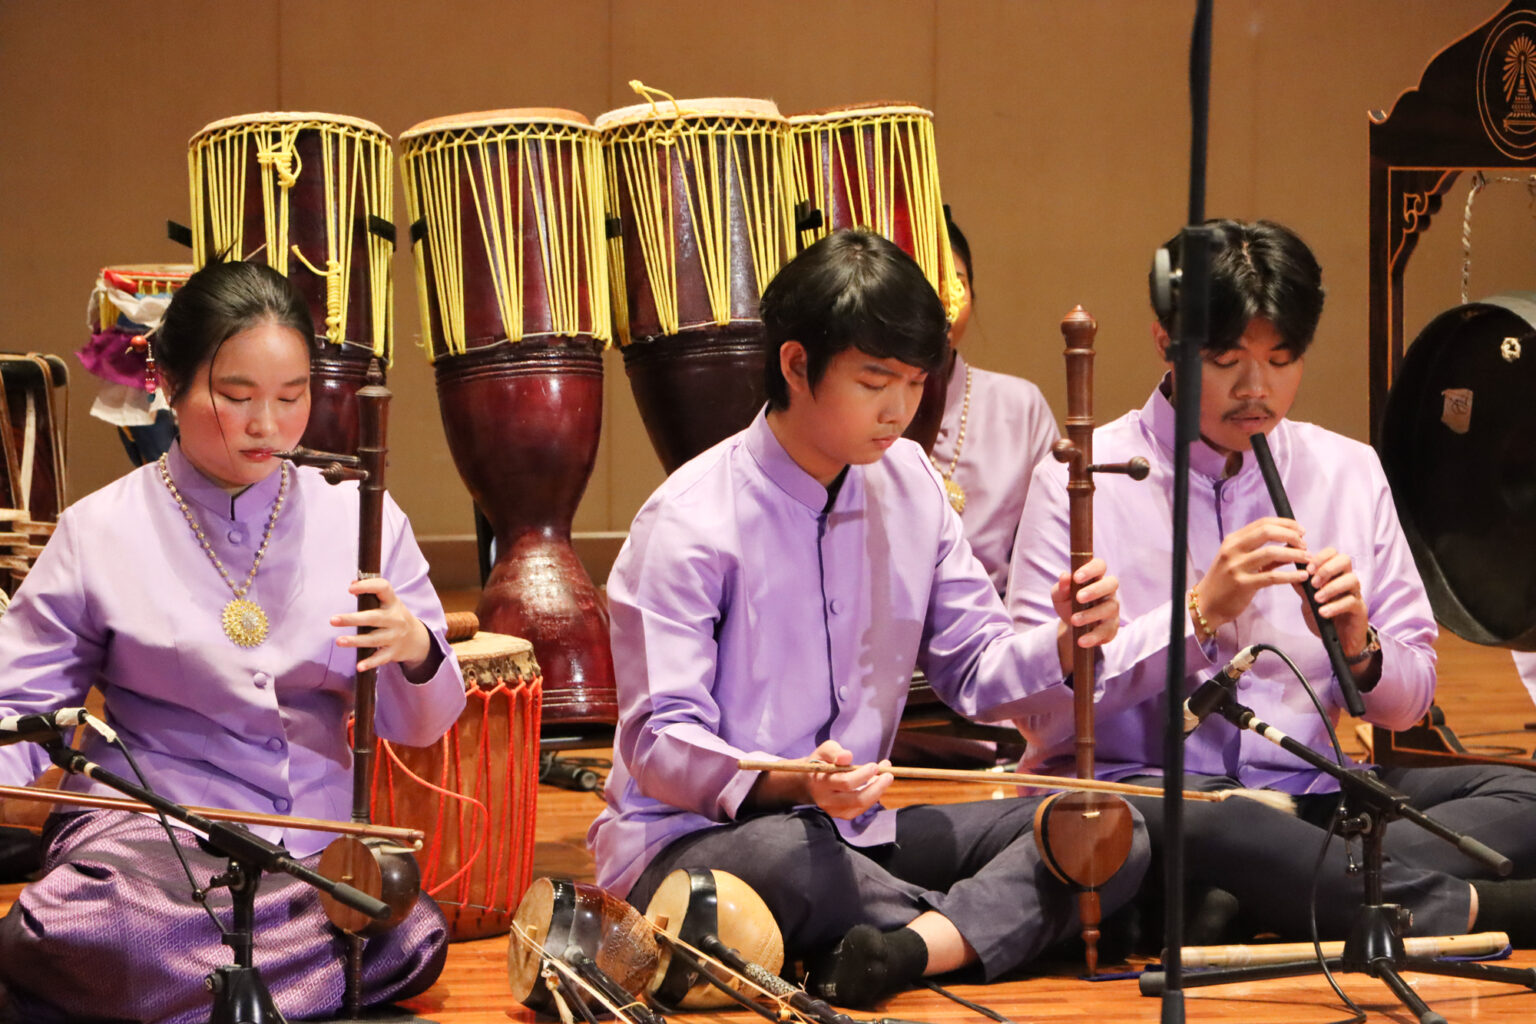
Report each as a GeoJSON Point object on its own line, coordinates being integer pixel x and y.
{"type": "Point", "coordinates": [869, 965]}
{"type": "Point", "coordinates": [1507, 905]}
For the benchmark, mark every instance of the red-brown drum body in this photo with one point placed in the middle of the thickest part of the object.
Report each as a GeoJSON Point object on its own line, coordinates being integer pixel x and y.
{"type": "Point", "coordinates": [875, 166]}
{"type": "Point", "coordinates": [512, 279]}
{"type": "Point", "coordinates": [310, 195]}
{"type": "Point", "coordinates": [473, 792]}
{"type": "Point", "coordinates": [699, 199]}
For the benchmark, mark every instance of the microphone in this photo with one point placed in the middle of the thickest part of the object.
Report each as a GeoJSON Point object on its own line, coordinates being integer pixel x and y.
{"type": "Point", "coordinates": [1325, 627]}
{"type": "Point", "coordinates": [38, 728]}
{"type": "Point", "coordinates": [1213, 693]}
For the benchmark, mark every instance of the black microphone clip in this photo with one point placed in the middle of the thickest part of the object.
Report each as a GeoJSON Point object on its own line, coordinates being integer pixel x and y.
{"type": "Point", "coordinates": [1210, 695]}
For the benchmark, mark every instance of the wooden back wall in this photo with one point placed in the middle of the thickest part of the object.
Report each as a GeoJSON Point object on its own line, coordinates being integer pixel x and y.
{"type": "Point", "coordinates": [1062, 129]}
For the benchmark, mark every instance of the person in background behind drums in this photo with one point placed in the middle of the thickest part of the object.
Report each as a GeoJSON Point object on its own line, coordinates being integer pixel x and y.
{"type": "Point", "coordinates": [1267, 298]}
{"type": "Point", "coordinates": [771, 601]}
{"type": "Point", "coordinates": [250, 715]}
{"type": "Point", "coordinates": [996, 428]}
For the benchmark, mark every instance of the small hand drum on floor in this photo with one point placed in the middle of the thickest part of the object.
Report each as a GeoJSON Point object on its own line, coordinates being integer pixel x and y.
{"type": "Point", "coordinates": [598, 935]}
{"type": "Point", "coordinates": [312, 196]}
{"type": "Point", "coordinates": [473, 792]}
{"type": "Point", "coordinates": [513, 283]}
{"type": "Point", "coordinates": [717, 913]}
{"type": "Point", "coordinates": [699, 192]}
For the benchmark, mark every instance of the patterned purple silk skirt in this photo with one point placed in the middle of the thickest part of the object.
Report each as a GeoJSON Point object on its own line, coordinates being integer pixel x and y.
{"type": "Point", "coordinates": [110, 933]}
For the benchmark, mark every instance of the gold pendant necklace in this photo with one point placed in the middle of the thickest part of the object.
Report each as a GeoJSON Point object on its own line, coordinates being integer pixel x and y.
{"type": "Point", "coordinates": [951, 486]}
{"type": "Point", "coordinates": [245, 623]}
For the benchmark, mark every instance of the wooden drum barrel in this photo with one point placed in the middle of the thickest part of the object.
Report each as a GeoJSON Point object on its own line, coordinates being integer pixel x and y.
{"type": "Point", "coordinates": [513, 283]}
{"type": "Point", "coordinates": [312, 196]}
{"type": "Point", "coordinates": [700, 222]}
{"type": "Point", "coordinates": [875, 166]}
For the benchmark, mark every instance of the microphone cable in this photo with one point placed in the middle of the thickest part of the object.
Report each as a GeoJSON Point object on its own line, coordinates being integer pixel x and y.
{"type": "Point", "coordinates": [1322, 852]}
{"type": "Point", "coordinates": [199, 894]}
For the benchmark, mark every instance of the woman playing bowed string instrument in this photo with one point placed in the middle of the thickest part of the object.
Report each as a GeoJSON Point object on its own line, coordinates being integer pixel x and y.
{"type": "Point", "coordinates": [205, 597]}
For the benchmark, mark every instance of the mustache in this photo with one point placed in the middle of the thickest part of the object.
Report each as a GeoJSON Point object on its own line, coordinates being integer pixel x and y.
{"type": "Point", "coordinates": [1248, 409]}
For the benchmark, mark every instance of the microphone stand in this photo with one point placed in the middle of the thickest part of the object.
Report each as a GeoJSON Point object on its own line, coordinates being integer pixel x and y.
{"type": "Point", "coordinates": [1375, 942]}
{"type": "Point", "coordinates": [240, 996]}
{"type": "Point", "coordinates": [1186, 295]}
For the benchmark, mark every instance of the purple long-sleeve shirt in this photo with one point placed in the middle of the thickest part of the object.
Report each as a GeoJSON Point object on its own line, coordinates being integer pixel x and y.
{"type": "Point", "coordinates": [125, 598]}
{"type": "Point", "coordinates": [1008, 430]}
{"type": "Point", "coordinates": [1339, 496]}
{"type": "Point", "coordinates": [748, 624]}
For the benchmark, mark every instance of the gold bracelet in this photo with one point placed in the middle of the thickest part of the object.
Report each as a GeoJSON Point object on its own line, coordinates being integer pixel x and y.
{"type": "Point", "coordinates": [1194, 610]}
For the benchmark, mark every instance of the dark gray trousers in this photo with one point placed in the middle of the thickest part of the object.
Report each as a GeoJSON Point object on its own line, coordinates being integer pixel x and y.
{"type": "Point", "coordinates": [1265, 858]}
{"type": "Point", "coordinates": [975, 863]}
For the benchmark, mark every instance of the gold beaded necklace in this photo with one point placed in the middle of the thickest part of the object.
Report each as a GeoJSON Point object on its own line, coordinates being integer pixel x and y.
{"type": "Point", "coordinates": [951, 487]}
{"type": "Point", "coordinates": [245, 623]}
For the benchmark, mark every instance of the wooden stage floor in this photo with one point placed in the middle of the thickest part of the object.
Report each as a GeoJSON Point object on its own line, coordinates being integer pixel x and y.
{"type": "Point", "coordinates": [1479, 691]}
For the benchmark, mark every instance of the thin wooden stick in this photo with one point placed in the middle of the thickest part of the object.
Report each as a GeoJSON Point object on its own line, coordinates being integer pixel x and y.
{"type": "Point", "coordinates": [410, 836]}
{"type": "Point", "coordinates": [979, 778]}
{"type": "Point", "coordinates": [1478, 944]}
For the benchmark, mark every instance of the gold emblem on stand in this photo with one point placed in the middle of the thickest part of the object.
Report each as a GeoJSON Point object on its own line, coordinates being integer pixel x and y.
{"type": "Point", "coordinates": [245, 623]}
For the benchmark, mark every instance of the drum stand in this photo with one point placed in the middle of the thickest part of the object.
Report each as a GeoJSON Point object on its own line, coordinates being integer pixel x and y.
{"type": "Point", "coordinates": [240, 995]}
{"type": "Point", "coordinates": [1375, 943]}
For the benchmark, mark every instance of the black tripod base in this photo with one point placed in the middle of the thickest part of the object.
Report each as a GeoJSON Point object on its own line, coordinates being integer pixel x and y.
{"type": "Point", "coordinates": [241, 997]}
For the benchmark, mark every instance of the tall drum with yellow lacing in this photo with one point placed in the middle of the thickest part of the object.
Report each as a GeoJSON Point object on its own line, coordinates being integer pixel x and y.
{"type": "Point", "coordinates": [875, 166]}
{"type": "Point", "coordinates": [312, 196]}
{"type": "Point", "coordinates": [699, 193]}
{"type": "Point", "coordinates": [506, 212]}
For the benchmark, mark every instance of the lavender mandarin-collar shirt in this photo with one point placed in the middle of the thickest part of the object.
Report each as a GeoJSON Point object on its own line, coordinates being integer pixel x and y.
{"type": "Point", "coordinates": [748, 622]}
{"type": "Point", "coordinates": [1009, 428]}
{"type": "Point", "coordinates": [125, 598]}
{"type": "Point", "coordinates": [1339, 496]}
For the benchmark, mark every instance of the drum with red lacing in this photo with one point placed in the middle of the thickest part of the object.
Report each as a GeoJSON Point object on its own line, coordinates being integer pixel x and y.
{"type": "Point", "coordinates": [473, 792]}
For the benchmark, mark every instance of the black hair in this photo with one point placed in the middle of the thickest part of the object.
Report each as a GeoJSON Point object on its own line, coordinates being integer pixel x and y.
{"type": "Point", "coordinates": [852, 289]}
{"type": "Point", "coordinates": [1259, 269]}
{"type": "Point", "coordinates": [217, 303]}
{"type": "Point", "coordinates": [962, 248]}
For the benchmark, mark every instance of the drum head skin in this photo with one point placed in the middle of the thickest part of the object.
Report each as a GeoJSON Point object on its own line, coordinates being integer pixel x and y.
{"type": "Point", "coordinates": [691, 903]}
{"type": "Point", "coordinates": [467, 123]}
{"type": "Point", "coordinates": [277, 117]}
{"type": "Point", "coordinates": [882, 109]}
{"type": "Point", "coordinates": [1458, 443]}
{"type": "Point", "coordinates": [728, 107]}
{"type": "Point", "coordinates": [571, 920]}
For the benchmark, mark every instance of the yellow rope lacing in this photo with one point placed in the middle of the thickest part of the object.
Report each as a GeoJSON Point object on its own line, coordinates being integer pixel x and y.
{"type": "Point", "coordinates": [725, 166]}
{"type": "Point", "coordinates": [357, 171]}
{"type": "Point", "coordinates": [883, 162]}
{"type": "Point", "coordinates": [539, 180]}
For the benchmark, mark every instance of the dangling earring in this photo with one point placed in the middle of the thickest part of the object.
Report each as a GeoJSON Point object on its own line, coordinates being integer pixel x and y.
{"type": "Point", "coordinates": [151, 381]}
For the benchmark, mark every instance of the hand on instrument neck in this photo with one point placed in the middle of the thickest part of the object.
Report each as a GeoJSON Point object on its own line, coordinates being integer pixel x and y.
{"type": "Point", "coordinates": [395, 634]}
{"type": "Point", "coordinates": [1098, 592]}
